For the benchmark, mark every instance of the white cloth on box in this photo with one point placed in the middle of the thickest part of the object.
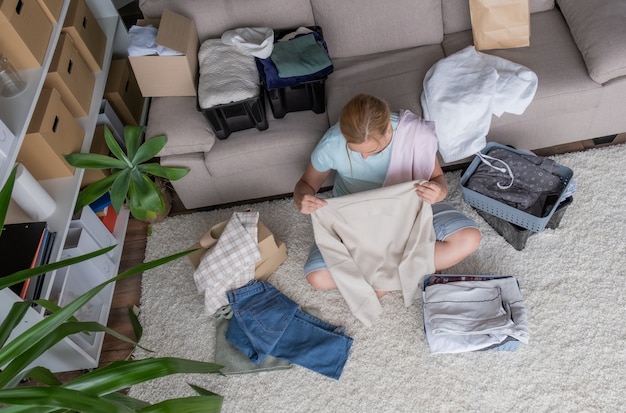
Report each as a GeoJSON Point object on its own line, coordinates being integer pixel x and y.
{"type": "Point", "coordinates": [231, 262]}
{"type": "Point", "coordinates": [142, 42]}
{"type": "Point", "coordinates": [462, 92]}
{"type": "Point", "coordinates": [452, 301]}
{"type": "Point", "coordinates": [256, 41]}
{"type": "Point", "coordinates": [227, 74]}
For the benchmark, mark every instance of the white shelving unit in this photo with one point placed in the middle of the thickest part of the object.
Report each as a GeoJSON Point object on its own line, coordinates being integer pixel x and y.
{"type": "Point", "coordinates": [78, 351]}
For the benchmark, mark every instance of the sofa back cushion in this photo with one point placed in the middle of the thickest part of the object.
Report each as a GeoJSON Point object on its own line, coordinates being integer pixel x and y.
{"type": "Point", "coordinates": [360, 27]}
{"type": "Point", "coordinates": [456, 16]}
{"type": "Point", "coordinates": [214, 17]}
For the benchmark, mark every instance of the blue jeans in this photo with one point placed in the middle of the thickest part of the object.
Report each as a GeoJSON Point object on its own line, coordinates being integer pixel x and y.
{"type": "Point", "coordinates": [266, 322]}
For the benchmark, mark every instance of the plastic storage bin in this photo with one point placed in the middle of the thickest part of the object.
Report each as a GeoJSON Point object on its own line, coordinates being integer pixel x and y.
{"type": "Point", "coordinates": [516, 235]}
{"type": "Point", "coordinates": [502, 210]}
{"type": "Point", "coordinates": [297, 93]}
{"type": "Point", "coordinates": [232, 117]}
{"type": "Point", "coordinates": [306, 96]}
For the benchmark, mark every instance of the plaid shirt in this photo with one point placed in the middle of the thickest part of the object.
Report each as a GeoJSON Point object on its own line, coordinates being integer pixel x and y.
{"type": "Point", "coordinates": [230, 264]}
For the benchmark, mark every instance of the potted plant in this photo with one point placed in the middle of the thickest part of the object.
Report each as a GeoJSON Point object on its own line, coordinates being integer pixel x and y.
{"type": "Point", "coordinates": [132, 174]}
{"type": "Point", "coordinates": [97, 390]}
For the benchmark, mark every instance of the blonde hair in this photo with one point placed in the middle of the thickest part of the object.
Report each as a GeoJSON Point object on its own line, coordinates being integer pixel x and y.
{"type": "Point", "coordinates": [364, 117]}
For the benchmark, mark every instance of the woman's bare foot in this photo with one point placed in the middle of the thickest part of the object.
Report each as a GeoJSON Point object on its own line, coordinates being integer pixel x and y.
{"type": "Point", "coordinates": [381, 293]}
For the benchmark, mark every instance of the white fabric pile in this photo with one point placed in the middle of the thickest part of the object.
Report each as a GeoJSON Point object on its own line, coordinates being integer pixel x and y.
{"type": "Point", "coordinates": [462, 92]}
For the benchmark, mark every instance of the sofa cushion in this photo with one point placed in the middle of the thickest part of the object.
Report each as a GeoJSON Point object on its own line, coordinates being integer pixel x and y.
{"type": "Point", "coordinates": [177, 117]}
{"type": "Point", "coordinates": [599, 29]}
{"type": "Point", "coordinates": [287, 141]}
{"type": "Point", "coordinates": [393, 76]}
{"type": "Point", "coordinates": [456, 17]}
{"type": "Point", "coordinates": [387, 25]}
{"type": "Point", "coordinates": [212, 18]}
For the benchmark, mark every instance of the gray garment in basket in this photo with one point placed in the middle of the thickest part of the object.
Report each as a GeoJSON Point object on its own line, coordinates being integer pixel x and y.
{"type": "Point", "coordinates": [529, 183]}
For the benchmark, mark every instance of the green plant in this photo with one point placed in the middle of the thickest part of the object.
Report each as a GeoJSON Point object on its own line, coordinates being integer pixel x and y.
{"type": "Point", "coordinates": [131, 180]}
{"type": "Point", "coordinates": [95, 391]}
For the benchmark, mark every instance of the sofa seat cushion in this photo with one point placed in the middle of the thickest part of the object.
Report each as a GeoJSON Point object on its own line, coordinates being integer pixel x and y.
{"type": "Point", "coordinates": [599, 29]}
{"type": "Point", "coordinates": [213, 18]}
{"type": "Point", "coordinates": [186, 128]}
{"type": "Point", "coordinates": [289, 140]}
{"type": "Point", "coordinates": [393, 76]}
{"type": "Point", "coordinates": [385, 26]}
{"type": "Point", "coordinates": [564, 85]}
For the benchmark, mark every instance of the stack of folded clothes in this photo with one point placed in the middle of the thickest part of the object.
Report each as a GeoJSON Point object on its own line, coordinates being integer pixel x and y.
{"type": "Point", "coordinates": [298, 57]}
{"type": "Point", "coordinates": [471, 312]}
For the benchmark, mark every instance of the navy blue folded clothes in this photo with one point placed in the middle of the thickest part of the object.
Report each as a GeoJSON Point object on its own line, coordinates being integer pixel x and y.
{"type": "Point", "coordinates": [529, 183]}
{"type": "Point", "coordinates": [308, 71]}
{"type": "Point", "coordinates": [267, 323]}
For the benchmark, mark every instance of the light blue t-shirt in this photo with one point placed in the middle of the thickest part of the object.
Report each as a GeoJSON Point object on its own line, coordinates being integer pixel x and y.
{"type": "Point", "coordinates": [353, 173]}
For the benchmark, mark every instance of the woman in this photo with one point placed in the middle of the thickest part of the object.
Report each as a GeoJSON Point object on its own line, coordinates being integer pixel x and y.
{"type": "Point", "coordinates": [359, 149]}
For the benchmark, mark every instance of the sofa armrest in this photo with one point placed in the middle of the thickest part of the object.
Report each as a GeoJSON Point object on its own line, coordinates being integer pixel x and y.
{"type": "Point", "coordinates": [186, 128]}
{"type": "Point", "coordinates": [599, 31]}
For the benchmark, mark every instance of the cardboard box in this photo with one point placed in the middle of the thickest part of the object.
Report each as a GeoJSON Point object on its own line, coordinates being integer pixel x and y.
{"type": "Point", "coordinates": [273, 251]}
{"type": "Point", "coordinates": [169, 75]}
{"type": "Point", "coordinates": [123, 92]}
{"type": "Point", "coordinates": [52, 8]}
{"type": "Point", "coordinates": [52, 133]}
{"type": "Point", "coordinates": [71, 76]}
{"type": "Point", "coordinates": [89, 38]}
{"type": "Point", "coordinates": [99, 146]}
{"type": "Point", "coordinates": [20, 42]}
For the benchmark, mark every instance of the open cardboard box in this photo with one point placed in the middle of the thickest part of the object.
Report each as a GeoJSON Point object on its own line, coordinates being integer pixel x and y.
{"type": "Point", "coordinates": [273, 251]}
{"type": "Point", "coordinates": [169, 75]}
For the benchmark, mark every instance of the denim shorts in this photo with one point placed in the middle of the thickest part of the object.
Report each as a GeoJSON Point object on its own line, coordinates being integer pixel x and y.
{"type": "Point", "coordinates": [446, 219]}
{"type": "Point", "coordinates": [266, 322]}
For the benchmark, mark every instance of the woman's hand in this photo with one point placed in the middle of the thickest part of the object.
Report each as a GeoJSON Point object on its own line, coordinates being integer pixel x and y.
{"type": "Point", "coordinates": [307, 204]}
{"type": "Point", "coordinates": [430, 191]}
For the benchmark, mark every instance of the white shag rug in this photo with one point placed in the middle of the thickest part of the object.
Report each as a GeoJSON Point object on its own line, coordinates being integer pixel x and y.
{"type": "Point", "coordinates": [573, 281]}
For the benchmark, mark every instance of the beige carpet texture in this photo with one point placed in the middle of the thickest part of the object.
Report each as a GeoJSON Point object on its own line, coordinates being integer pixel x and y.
{"type": "Point", "coordinates": [572, 279]}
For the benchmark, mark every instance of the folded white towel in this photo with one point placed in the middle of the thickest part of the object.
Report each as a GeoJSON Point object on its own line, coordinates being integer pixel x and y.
{"type": "Point", "coordinates": [227, 74]}
{"type": "Point", "coordinates": [257, 41]}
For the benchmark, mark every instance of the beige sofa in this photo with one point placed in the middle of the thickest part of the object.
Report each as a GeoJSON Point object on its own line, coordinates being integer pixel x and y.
{"type": "Point", "coordinates": [577, 50]}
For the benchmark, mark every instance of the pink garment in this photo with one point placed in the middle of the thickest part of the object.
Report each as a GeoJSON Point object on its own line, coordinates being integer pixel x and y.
{"type": "Point", "coordinates": [414, 150]}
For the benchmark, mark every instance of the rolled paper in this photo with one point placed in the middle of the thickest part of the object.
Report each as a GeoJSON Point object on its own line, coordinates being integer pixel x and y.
{"type": "Point", "coordinates": [31, 196]}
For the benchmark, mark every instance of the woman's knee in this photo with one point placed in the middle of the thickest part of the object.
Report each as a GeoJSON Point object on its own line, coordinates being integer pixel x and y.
{"type": "Point", "coordinates": [321, 280]}
{"type": "Point", "coordinates": [468, 239]}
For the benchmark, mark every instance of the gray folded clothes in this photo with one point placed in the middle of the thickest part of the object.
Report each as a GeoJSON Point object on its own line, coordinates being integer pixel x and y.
{"type": "Point", "coordinates": [459, 309]}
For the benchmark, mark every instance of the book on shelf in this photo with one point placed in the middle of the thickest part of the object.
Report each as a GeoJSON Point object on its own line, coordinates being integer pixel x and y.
{"type": "Point", "coordinates": [23, 246]}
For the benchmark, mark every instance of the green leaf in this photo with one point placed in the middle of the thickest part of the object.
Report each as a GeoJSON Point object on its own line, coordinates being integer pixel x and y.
{"type": "Point", "coordinates": [60, 397]}
{"type": "Point", "coordinates": [169, 172]}
{"type": "Point", "coordinates": [202, 391]}
{"type": "Point", "coordinates": [125, 400]}
{"type": "Point", "coordinates": [132, 139]}
{"type": "Point", "coordinates": [119, 189]}
{"type": "Point", "coordinates": [149, 149]}
{"type": "Point", "coordinates": [46, 326]}
{"type": "Point", "coordinates": [5, 196]}
{"type": "Point", "coordinates": [115, 148]}
{"type": "Point", "coordinates": [144, 198]}
{"type": "Point", "coordinates": [125, 373]}
{"type": "Point", "coordinates": [23, 275]}
{"type": "Point", "coordinates": [43, 375]}
{"type": "Point", "coordinates": [93, 161]}
{"type": "Point", "coordinates": [94, 191]}
{"type": "Point", "coordinates": [12, 320]}
{"type": "Point", "coordinates": [134, 321]}
{"type": "Point", "coordinates": [193, 404]}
